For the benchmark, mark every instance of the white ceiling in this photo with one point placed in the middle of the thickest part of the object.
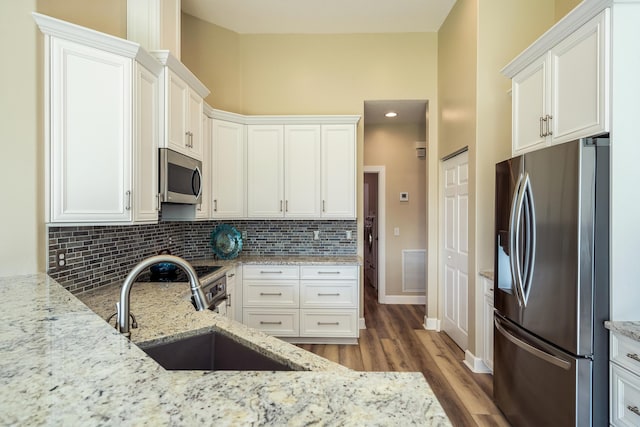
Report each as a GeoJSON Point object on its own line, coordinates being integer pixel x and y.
{"type": "Point", "coordinates": [409, 111]}
{"type": "Point", "coordinates": [322, 16]}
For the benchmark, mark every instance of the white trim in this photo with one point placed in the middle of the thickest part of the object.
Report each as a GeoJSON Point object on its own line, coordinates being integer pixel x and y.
{"type": "Point", "coordinates": [166, 58]}
{"type": "Point", "coordinates": [320, 340]}
{"type": "Point", "coordinates": [475, 364]}
{"type": "Point", "coordinates": [362, 324]}
{"type": "Point", "coordinates": [405, 299]}
{"type": "Point", "coordinates": [431, 324]}
{"type": "Point", "coordinates": [382, 271]}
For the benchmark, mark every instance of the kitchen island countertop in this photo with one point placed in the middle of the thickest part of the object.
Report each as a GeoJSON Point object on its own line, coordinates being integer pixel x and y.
{"type": "Point", "coordinates": [64, 365]}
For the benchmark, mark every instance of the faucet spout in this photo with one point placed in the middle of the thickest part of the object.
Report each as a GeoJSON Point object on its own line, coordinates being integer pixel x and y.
{"type": "Point", "coordinates": [123, 324]}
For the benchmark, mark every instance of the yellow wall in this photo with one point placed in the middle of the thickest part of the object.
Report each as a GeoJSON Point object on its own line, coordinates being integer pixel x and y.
{"type": "Point", "coordinates": [562, 7]}
{"type": "Point", "coordinates": [213, 55]}
{"type": "Point", "coordinates": [393, 146]}
{"type": "Point", "coordinates": [22, 236]}
{"type": "Point", "coordinates": [106, 16]}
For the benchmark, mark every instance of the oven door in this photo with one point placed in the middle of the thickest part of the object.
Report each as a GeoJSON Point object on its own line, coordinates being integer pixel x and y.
{"type": "Point", "coordinates": [180, 178]}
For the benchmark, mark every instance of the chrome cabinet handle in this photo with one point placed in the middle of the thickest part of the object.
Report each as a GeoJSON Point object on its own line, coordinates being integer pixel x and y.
{"type": "Point", "coordinates": [280, 205]}
{"type": "Point", "coordinates": [230, 275]}
{"type": "Point", "coordinates": [158, 201]}
{"type": "Point", "coordinates": [286, 206]}
{"type": "Point", "coordinates": [270, 272]}
{"type": "Point", "coordinates": [548, 120]}
{"type": "Point", "coordinates": [328, 272]}
{"type": "Point", "coordinates": [323, 207]}
{"type": "Point", "coordinates": [633, 356]}
{"type": "Point", "coordinates": [541, 130]}
{"type": "Point", "coordinates": [229, 300]}
{"type": "Point", "coordinates": [128, 205]}
{"type": "Point", "coordinates": [634, 409]}
{"type": "Point", "coordinates": [215, 205]}
{"type": "Point", "coordinates": [270, 323]}
{"type": "Point", "coordinates": [273, 294]}
{"type": "Point", "coordinates": [328, 323]}
{"type": "Point", "coordinates": [329, 295]}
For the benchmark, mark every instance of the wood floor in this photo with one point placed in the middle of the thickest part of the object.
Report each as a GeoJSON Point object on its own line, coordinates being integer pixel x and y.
{"type": "Point", "coordinates": [395, 340]}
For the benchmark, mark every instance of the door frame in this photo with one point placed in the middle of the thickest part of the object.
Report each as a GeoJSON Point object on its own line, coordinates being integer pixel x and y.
{"type": "Point", "coordinates": [380, 171]}
{"type": "Point", "coordinates": [441, 237]}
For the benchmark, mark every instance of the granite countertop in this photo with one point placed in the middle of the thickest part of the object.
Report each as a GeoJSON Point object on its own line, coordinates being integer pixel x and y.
{"type": "Point", "coordinates": [64, 365]}
{"type": "Point", "coordinates": [628, 329]}
{"type": "Point", "coordinates": [487, 273]}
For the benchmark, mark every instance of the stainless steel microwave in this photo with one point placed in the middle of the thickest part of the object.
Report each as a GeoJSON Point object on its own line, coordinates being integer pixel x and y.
{"type": "Point", "coordinates": [180, 178]}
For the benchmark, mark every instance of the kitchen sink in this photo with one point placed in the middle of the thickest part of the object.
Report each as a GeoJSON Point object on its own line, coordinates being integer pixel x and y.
{"type": "Point", "coordinates": [211, 352]}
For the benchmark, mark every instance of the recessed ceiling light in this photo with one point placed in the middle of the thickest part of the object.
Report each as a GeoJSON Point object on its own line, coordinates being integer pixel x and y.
{"type": "Point", "coordinates": [391, 114]}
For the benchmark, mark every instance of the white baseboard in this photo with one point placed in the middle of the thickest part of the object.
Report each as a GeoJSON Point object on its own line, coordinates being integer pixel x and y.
{"type": "Point", "coordinates": [404, 299]}
{"type": "Point", "coordinates": [475, 364]}
{"type": "Point", "coordinates": [362, 325]}
{"type": "Point", "coordinates": [431, 324]}
{"type": "Point", "coordinates": [320, 340]}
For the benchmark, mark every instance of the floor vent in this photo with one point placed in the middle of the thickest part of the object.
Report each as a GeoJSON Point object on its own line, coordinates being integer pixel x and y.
{"type": "Point", "coordinates": [414, 272]}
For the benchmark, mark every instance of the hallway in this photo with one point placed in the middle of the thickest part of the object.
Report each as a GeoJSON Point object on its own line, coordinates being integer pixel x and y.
{"type": "Point", "coordinates": [395, 340]}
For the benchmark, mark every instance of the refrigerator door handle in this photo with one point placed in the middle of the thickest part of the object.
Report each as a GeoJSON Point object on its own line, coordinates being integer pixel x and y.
{"type": "Point", "coordinates": [530, 239]}
{"type": "Point", "coordinates": [531, 349]}
{"type": "Point", "coordinates": [514, 238]}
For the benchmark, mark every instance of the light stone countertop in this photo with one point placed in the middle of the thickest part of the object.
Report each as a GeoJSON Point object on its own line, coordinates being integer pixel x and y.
{"type": "Point", "coordinates": [628, 329]}
{"type": "Point", "coordinates": [62, 364]}
{"type": "Point", "coordinates": [487, 274]}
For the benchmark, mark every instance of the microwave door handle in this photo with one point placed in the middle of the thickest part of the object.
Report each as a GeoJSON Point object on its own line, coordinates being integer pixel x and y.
{"type": "Point", "coordinates": [197, 176]}
{"type": "Point", "coordinates": [514, 253]}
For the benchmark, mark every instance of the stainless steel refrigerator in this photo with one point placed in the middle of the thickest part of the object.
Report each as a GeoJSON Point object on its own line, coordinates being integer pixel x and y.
{"type": "Point", "coordinates": [552, 285]}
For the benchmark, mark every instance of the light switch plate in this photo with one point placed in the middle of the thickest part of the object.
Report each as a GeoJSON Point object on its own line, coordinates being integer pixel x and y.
{"type": "Point", "coordinates": [404, 196]}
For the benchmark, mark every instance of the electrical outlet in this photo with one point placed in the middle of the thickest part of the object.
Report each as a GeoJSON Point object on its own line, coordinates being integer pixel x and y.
{"type": "Point", "coordinates": [61, 259]}
{"type": "Point", "coordinates": [244, 234]}
{"type": "Point", "coordinates": [396, 231]}
{"type": "Point", "coordinates": [348, 234]}
{"type": "Point", "coordinates": [316, 235]}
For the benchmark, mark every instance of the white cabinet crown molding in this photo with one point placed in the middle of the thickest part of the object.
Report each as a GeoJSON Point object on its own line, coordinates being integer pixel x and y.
{"type": "Point", "coordinates": [561, 30]}
{"type": "Point", "coordinates": [282, 119]}
{"type": "Point", "coordinates": [96, 39]}
{"type": "Point", "coordinates": [166, 58]}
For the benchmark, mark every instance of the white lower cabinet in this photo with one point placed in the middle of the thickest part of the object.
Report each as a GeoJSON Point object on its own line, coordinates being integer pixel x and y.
{"type": "Point", "coordinates": [487, 309]}
{"type": "Point", "coordinates": [310, 302]}
{"type": "Point", "coordinates": [625, 381]}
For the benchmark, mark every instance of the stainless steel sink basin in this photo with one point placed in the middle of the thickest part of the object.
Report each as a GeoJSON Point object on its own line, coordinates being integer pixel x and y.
{"type": "Point", "coordinates": [211, 352]}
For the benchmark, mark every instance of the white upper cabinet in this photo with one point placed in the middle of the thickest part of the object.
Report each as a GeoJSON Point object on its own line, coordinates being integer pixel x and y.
{"type": "Point", "coordinates": [101, 127]}
{"type": "Point", "coordinates": [228, 159]}
{"type": "Point", "coordinates": [339, 171]}
{"type": "Point", "coordinates": [564, 94]}
{"type": "Point", "coordinates": [203, 209]}
{"type": "Point", "coordinates": [182, 107]}
{"type": "Point", "coordinates": [302, 171]}
{"type": "Point", "coordinates": [265, 171]}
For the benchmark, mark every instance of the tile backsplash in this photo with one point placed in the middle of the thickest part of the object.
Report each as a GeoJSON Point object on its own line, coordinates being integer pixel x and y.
{"type": "Point", "coordinates": [100, 255]}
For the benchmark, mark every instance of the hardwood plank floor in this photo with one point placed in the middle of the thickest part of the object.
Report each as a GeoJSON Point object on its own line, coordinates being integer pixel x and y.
{"type": "Point", "coordinates": [395, 340]}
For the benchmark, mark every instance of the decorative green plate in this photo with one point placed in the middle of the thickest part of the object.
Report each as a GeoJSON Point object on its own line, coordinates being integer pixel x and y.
{"type": "Point", "coordinates": [226, 241]}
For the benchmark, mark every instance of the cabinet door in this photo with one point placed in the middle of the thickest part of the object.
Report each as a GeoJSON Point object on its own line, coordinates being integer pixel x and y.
{"type": "Point", "coordinates": [529, 106]}
{"type": "Point", "coordinates": [265, 171]}
{"type": "Point", "coordinates": [338, 171]}
{"type": "Point", "coordinates": [90, 135]}
{"type": "Point", "coordinates": [177, 105]}
{"type": "Point", "coordinates": [228, 170]}
{"type": "Point", "coordinates": [302, 171]}
{"type": "Point", "coordinates": [203, 208]}
{"type": "Point", "coordinates": [579, 84]}
{"type": "Point", "coordinates": [145, 153]}
{"type": "Point", "coordinates": [194, 120]}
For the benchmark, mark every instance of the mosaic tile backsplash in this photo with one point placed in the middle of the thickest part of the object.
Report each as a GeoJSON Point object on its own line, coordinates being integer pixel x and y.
{"type": "Point", "coordinates": [100, 255]}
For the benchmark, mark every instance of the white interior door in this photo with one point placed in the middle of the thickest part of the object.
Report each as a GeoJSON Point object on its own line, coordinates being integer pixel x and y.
{"type": "Point", "coordinates": [455, 250]}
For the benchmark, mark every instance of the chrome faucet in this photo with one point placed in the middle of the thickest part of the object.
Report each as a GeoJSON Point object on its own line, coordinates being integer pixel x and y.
{"type": "Point", "coordinates": [122, 307]}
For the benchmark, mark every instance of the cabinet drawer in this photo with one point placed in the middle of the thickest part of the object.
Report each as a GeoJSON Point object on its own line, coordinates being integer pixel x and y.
{"type": "Point", "coordinates": [328, 323]}
{"type": "Point", "coordinates": [625, 352]}
{"type": "Point", "coordinates": [334, 294]}
{"type": "Point", "coordinates": [278, 322]}
{"type": "Point", "coordinates": [259, 293]}
{"type": "Point", "coordinates": [271, 272]}
{"type": "Point", "coordinates": [625, 397]}
{"type": "Point", "coordinates": [329, 272]}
